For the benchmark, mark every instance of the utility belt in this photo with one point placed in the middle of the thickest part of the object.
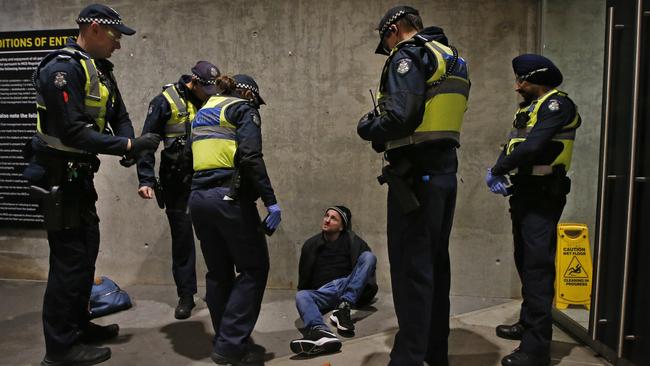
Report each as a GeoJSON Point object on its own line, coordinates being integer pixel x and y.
{"type": "Point", "coordinates": [173, 166]}
{"type": "Point", "coordinates": [556, 184]}
{"type": "Point", "coordinates": [66, 193]}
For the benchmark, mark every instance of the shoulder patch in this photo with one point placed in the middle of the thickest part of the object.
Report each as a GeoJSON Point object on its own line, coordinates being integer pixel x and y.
{"type": "Point", "coordinates": [554, 105]}
{"type": "Point", "coordinates": [60, 79]}
{"type": "Point", "coordinates": [256, 119]}
{"type": "Point", "coordinates": [403, 66]}
{"type": "Point", "coordinates": [150, 109]}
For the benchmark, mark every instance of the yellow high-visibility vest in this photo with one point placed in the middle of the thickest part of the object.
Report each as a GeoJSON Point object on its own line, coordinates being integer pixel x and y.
{"type": "Point", "coordinates": [213, 136]}
{"type": "Point", "coordinates": [95, 100]}
{"type": "Point", "coordinates": [183, 112]}
{"type": "Point", "coordinates": [566, 136]}
{"type": "Point", "coordinates": [446, 98]}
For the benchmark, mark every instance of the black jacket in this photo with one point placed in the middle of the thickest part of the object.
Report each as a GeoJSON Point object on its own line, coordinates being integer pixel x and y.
{"type": "Point", "coordinates": [403, 104]}
{"type": "Point", "coordinates": [159, 113]}
{"type": "Point", "coordinates": [310, 252]}
{"type": "Point", "coordinates": [61, 82]}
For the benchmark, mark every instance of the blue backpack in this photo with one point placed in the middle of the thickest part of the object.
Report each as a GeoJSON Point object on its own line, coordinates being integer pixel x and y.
{"type": "Point", "coordinates": [106, 297]}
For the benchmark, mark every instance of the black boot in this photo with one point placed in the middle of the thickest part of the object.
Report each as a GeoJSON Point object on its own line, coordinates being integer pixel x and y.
{"type": "Point", "coordinates": [514, 332]}
{"type": "Point", "coordinates": [184, 307]}
{"type": "Point", "coordinates": [520, 358]}
{"type": "Point", "coordinates": [79, 354]}
{"type": "Point", "coordinates": [95, 333]}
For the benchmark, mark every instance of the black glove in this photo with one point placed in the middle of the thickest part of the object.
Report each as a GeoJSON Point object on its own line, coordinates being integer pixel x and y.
{"type": "Point", "coordinates": [148, 141]}
{"type": "Point", "coordinates": [378, 146]}
{"type": "Point", "coordinates": [127, 161]}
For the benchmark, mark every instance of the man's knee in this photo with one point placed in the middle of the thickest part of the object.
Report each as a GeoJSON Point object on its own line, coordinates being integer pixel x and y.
{"type": "Point", "coordinates": [302, 297]}
{"type": "Point", "coordinates": [367, 258]}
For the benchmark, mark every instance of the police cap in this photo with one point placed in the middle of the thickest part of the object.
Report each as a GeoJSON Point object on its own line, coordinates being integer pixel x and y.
{"type": "Point", "coordinates": [244, 81]}
{"type": "Point", "coordinates": [206, 74]}
{"type": "Point", "coordinates": [103, 14]}
{"type": "Point", "coordinates": [536, 69]}
{"type": "Point", "coordinates": [391, 17]}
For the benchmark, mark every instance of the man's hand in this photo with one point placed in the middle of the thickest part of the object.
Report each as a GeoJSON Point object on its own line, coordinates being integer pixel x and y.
{"type": "Point", "coordinates": [146, 192]}
{"type": "Point", "coordinates": [497, 183]}
{"type": "Point", "coordinates": [274, 217]}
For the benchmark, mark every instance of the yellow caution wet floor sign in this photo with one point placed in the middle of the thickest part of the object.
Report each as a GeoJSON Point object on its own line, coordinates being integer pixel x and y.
{"type": "Point", "coordinates": [573, 266]}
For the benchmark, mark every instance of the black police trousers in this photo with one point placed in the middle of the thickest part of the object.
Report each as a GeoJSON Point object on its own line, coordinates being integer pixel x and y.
{"type": "Point", "coordinates": [183, 249]}
{"type": "Point", "coordinates": [418, 252]}
{"type": "Point", "coordinates": [534, 228]}
{"type": "Point", "coordinates": [73, 253]}
{"type": "Point", "coordinates": [231, 239]}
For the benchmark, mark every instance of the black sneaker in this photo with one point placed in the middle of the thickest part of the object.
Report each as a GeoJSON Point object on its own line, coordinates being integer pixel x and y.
{"type": "Point", "coordinates": [95, 333]}
{"type": "Point", "coordinates": [79, 354]}
{"type": "Point", "coordinates": [184, 307]}
{"type": "Point", "coordinates": [341, 318]}
{"type": "Point", "coordinates": [316, 341]}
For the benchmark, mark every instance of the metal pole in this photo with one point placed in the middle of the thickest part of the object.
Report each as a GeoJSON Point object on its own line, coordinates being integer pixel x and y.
{"type": "Point", "coordinates": [632, 181]}
{"type": "Point", "coordinates": [603, 167]}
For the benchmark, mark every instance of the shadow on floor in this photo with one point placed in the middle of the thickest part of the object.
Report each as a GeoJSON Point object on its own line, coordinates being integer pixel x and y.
{"type": "Point", "coordinates": [189, 339]}
{"type": "Point", "coordinates": [466, 348]}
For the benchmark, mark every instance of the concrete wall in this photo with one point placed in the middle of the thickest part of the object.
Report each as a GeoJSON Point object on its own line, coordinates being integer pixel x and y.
{"type": "Point", "coordinates": [574, 38]}
{"type": "Point", "coordinates": [314, 62]}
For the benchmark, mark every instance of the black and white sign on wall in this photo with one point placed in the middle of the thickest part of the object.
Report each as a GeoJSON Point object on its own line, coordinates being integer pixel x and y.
{"type": "Point", "coordinates": [20, 53]}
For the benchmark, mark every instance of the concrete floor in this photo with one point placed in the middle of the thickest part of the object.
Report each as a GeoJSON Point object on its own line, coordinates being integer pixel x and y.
{"type": "Point", "coordinates": [151, 336]}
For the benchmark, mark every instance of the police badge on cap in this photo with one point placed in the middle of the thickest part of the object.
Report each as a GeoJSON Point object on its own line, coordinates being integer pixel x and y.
{"type": "Point", "coordinates": [207, 74]}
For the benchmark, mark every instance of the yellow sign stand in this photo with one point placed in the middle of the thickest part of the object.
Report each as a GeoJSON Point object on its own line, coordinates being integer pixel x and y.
{"type": "Point", "coordinates": [573, 266]}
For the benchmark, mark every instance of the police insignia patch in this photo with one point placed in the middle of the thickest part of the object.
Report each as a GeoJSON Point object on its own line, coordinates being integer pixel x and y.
{"type": "Point", "coordinates": [150, 109]}
{"type": "Point", "coordinates": [256, 119]}
{"type": "Point", "coordinates": [554, 105]}
{"type": "Point", "coordinates": [213, 72]}
{"type": "Point", "coordinates": [59, 80]}
{"type": "Point", "coordinates": [403, 66]}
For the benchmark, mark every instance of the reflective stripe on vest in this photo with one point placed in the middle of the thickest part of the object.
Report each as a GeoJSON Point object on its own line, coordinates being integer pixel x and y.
{"type": "Point", "coordinates": [446, 101]}
{"type": "Point", "coordinates": [95, 100]}
{"type": "Point", "coordinates": [213, 136]}
{"type": "Point", "coordinates": [566, 136]}
{"type": "Point", "coordinates": [183, 112]}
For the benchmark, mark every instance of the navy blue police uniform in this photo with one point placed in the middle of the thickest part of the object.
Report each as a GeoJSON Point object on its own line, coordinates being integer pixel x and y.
{"type": "Point", "coordinates": [175, 179]}
{"type": "Point", "coordinates": [537, 158]}
{"type": "Point", "coordinates": [226, 219]}
{"type": "Point", "coordinates": [63, 154]}
{"type": "Point", "coordinates": [418, 241]}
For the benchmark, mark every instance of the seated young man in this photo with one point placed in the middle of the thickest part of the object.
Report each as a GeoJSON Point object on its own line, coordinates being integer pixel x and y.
{"type": "Point", "coordinates": [336, 271]}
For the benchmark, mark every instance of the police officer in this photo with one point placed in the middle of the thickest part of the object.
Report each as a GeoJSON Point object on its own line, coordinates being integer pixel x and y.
{"type": "Point", "coordinates": [537, 157]}
{"type": "Point", "coordinates": [422, 99]}
{"type": "Point", "coordinates": [170, 115]}
{"type": "Point", "coordinates": [77, 101]}
{"type": "Point", "coordinates": [230, 175]}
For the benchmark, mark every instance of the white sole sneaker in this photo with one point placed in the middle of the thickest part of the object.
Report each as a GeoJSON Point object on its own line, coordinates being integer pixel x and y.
{"type": "Point", "coordinates": [335, 321]}
{"type": "Point", "coordinates": [309, 347]}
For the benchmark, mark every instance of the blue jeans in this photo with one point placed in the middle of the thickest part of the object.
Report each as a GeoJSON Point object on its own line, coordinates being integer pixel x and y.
{"type": "Point", "coordinates": [311, 303]}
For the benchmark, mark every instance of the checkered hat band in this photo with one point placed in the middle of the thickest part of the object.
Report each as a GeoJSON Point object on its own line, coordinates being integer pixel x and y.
{"type": "Point", "coordinates": [99, 20]}
{"type": "Point", "coordinates": [390, 21]}
{"type": "Point", "coordinates": [204, 81]}
{"type": "Point", "coordinates": [249, 87]}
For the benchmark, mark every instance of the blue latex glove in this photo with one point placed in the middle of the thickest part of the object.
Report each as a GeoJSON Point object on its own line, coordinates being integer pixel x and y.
{"type": "Point", "coordinates": [274, 217]}
{"type": "Point", "coordinates": [497, 183]}
{"type": "Point", "coordinates": [499, 188]}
